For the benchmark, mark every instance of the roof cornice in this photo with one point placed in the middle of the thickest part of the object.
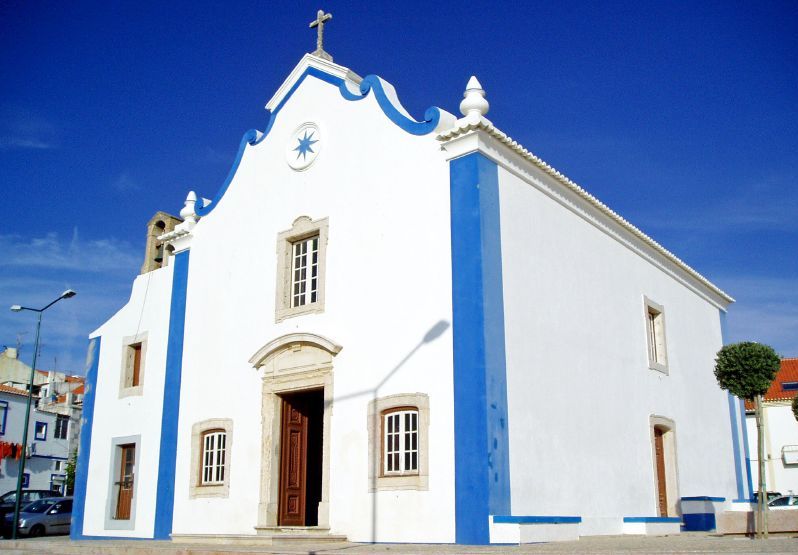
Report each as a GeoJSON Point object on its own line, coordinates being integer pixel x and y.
{"type": "Point", "coordinates": [471, 125]}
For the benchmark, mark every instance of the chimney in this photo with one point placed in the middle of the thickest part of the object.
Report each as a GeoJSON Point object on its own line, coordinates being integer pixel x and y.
{"type": "Point", "coordinates": [11, 352]}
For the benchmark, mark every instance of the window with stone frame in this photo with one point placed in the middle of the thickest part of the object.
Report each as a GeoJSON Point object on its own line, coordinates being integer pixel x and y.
{"type": "Point", "coordinates": [399, 442]}
{"type": "Point", "coordinates": [655, 336]}
{"type": "Point", "coordinates": [134, 357]}
{"type": "Point", "coordinates": [211, 455]}
{"type": "Point", "coordinates": [301, 265]}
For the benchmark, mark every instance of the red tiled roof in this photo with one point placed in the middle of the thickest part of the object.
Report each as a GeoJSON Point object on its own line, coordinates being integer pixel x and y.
{"type": "Point", "coordinates": [788, 372]}
{"type": "Point", "coordinates": [80, 390]}
{"type": "Point", "coordinates": [13, 390]}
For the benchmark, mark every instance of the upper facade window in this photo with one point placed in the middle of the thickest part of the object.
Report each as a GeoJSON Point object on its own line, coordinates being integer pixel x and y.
{"type": "Point", "coordinates": [301, 256]}
{"type": "Point", "coordinates": [134, 353]}
{"type": "Point", "coordinates": [655, 336]}
{"type": "Point", "coordinates": [61, 427]}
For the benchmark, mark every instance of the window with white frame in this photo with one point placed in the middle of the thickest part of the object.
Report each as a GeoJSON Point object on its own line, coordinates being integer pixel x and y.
{"type": "Point", "coordinates": [213, 455]}
{"type": "Point", "coordinates": [305, 271]}
{"type": "Point", "coordinates": [399, 442]}
{"type": "Point", "coordinates": [301, 254]}
{"type": "Point", "coordinates": [655, 336]}
{"type": "Point", "coordinates": [211, 448]}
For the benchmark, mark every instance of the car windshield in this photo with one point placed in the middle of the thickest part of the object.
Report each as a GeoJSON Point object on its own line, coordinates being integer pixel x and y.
{"type": "Point", "coordinates": [37, 506]}
{"type": "Point", "coordinates": [9, 497]}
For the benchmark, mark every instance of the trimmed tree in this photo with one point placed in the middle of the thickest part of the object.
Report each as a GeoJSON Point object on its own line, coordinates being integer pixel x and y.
{"type": "Point", "coordinates": [746, 370]}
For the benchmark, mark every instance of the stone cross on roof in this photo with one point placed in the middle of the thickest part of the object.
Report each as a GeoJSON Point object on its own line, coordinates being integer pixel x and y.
{"type": "Point", "coordinates": [321, 17]}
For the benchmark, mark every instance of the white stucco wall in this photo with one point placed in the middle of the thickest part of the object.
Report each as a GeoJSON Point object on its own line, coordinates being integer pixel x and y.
{"type": "Point", "coordinates": [580, 391]}
{"type": "Point", "coordinates": [388, 281]}
{"type": "Point", "coordinates": [131, 416]}
{"type": "Point", "coordinates": [781, 429]}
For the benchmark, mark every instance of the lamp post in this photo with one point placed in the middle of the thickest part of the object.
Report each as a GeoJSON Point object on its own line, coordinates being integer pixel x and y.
{"type": "Point", "coordinates": [17, 308]}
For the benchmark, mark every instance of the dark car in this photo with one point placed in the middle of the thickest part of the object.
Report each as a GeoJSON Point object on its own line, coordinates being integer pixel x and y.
{"type": "Point", "coordinates": [28, 496]}
{"type": "Point", "coordinates": [45, 516]}
{"type": "Point", "coordinates": [771, 495]}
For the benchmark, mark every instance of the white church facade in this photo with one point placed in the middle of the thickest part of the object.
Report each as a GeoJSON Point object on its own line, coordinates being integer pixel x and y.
{"type": "Point", "coordinates": [384, 329]}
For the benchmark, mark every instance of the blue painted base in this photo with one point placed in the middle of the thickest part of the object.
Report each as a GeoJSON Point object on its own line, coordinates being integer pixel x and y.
{"type": "Point", "coordinates": [699, 522]}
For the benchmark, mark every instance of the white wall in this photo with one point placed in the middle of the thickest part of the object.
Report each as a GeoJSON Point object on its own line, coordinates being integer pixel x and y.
{"type": "Point", "coordinates": [115, 417]}
{"type": "Point", "coordinates": [781, 429]}
{"type": "Point", "coordinates": [388, 281]}
{"type": "Point", "coordinates": [580, 391]}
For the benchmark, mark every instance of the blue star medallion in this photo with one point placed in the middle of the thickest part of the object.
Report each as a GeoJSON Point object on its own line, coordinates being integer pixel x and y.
{"type": "Point", "coordinates": [305, 145]}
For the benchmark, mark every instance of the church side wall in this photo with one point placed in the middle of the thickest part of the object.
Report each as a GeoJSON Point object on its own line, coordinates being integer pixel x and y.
{"type": "Point", "coordinates": [121, 418]}
{"type": "Point", "coordinates": [581, 394]}
{"type": "Point", "coordinates": [385, 194]}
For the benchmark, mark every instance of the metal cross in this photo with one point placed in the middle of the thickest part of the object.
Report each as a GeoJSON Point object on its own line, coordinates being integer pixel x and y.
{"type": "Point", "coordinates": [321, 17]}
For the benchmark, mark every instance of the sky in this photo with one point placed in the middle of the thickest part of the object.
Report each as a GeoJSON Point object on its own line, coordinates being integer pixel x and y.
{"type": "Point", "coordinates": [681, 116]}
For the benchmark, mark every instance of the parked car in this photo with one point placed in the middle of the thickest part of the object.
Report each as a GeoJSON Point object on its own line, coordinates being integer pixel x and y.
{"type": "Point", "coordinates": [28, 496]}
{"type": "Point", "coordinates": [784, 502]}
{"type": "Point", "coordinates": [771, 495]}
{"type": "Point", "coordinates": [42, 517]}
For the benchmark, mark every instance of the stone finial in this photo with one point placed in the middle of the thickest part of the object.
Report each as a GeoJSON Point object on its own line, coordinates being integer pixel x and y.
{"type": "Point", "coordinates": [474, 101]}
{"type": "Point", "coordinates": [187, 212]}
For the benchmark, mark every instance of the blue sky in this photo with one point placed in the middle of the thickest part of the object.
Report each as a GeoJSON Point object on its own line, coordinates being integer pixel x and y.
{"type": "Point", "coordinates": [681, 116]}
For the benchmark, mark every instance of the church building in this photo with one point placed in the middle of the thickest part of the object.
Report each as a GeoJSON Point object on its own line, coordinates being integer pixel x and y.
{"type": "Point", "coordinates": [385, 328]}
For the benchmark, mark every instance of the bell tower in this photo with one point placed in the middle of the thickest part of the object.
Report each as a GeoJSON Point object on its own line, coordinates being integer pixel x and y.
{"type": "Point", "coordinates": [156, 254]}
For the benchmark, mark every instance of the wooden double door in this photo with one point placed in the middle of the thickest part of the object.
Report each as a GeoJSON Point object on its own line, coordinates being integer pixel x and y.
{"type": "Point", "coordinates": [301, 441]}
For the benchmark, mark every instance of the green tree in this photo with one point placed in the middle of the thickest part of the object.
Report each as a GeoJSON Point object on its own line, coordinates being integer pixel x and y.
{"type": "Point", "coordinates": [746, 370]}
{"type": "Point", "coordinates": [70, 474]}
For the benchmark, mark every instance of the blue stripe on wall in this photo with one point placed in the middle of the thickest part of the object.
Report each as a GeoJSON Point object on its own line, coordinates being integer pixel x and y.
{"type": "Point", "coordinates": [747, 453]}
{"type": "Point", "coordinates": [738, 449]}
{"type": "Point", "coordinates": [164, 503]}
{"type": "Point", "coordinates": [82, 470]}
{"type": "Point", "coordinates": [482, 469]}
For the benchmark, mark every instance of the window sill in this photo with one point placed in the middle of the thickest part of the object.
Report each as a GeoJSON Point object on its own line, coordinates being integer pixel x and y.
{"type": "Point", "coordinates": [285, 313]}
{"type": "Point", "coordinates": [400, 482]}
{"type": "Point", "coordinates": [219, 490]}
{"type": "Point", "coordinates": [135, 391]}
{"type": "Point", "coordinates": [658, 367]}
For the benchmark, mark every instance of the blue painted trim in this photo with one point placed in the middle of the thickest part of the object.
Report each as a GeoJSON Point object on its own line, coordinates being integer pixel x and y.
{"type": "Point", "coordinates": [51, 457]}
{"type": "Point", "coordinates": [699, 522]}
{"type": "Point", "coordinates": [87, 417]}
{"type": "Point", "coordinates": [653, 519]}
{"type": "Point", "coordinates": [704, 498]}
{"type": "Point", "coordinates": [372, 82]}
{"type": "Point", "coordinates": [26, 479]}
{"type": "Point", "coordinates": [482, 466]}
{"type": "Point", "coordinates": [4, 409]}
{"type": "Point", "coordinates": [36, 431]}
{"type": "Point", "coordinates": [165, 500]}
{"type": "Point", "coordinates": [746, 451]}
{"type": "Point", "coordinates": [117, 538]}
{"type": "Point", "coordinates": [537, 519]}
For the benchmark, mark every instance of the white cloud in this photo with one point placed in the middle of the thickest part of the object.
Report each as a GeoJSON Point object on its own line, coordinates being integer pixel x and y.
{"type": "Point", "coordinates": [9, 143]}
{"type": "Point", "coordinates": [51, 251]}
{"type": "Point", "coordinates": [20, 129]}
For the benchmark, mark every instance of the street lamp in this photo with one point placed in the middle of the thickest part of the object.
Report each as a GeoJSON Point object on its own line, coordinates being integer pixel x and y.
{"type": "Point", "coordinates": [17, 308]}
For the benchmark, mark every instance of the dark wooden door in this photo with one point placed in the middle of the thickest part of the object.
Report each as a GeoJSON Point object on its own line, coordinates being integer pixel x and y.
{"type": "Point", "coordinates": [659, 452]}
{"type": "Point", "coordinates": [125, 483]}
{"type": "Point", "coordinates": [293, 461]}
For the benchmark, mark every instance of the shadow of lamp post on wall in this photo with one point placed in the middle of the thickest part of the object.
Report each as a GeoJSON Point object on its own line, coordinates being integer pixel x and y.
{"type": "Point", "coordinates": [18, 308]}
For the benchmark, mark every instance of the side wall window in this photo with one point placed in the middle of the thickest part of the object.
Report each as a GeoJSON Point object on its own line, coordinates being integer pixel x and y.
{"type": "Point", "coordinates": [301, 266]}
{"type": "Point", "coordinates": [211, 447]}
{"type": "Point", "coordinates": [123, 482]}
{"type": "Point", "coordinates": [399, 442]}
{"type": "Point", "coordinates": [134, 356]}
{"type": "Point", "coordinates": [655, 336]}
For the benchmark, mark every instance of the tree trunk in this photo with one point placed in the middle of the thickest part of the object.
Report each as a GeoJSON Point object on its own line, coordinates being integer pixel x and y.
{"type": "Point", "coordinates": [761, 505]}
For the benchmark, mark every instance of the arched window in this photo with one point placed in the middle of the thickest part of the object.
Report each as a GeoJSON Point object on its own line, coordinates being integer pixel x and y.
{"type": "Point", "coordinates": [214, 444]}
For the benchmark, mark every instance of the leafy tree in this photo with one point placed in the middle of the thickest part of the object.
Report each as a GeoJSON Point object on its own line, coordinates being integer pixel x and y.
{"type": "Point", "coordinates": [746, 370]}
{"type": "Point", "coordinates": [70, 474]}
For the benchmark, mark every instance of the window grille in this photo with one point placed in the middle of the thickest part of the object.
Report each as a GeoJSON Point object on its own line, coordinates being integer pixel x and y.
{"type": "Point", "coordinates": [213, 457]}
{"type": "Point", "coordinates": [401, 442]}
{"type": "Point", "coordinates": [305, 272]}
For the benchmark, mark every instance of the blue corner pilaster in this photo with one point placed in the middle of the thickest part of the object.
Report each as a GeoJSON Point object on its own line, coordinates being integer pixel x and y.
{"type": "Point", "coordinates": [165, 500]}
{"type": "Point", "coordinates": [87, 421]}
{"type": "Point", "coordinates": [482, 465]}
{"type": "Point", "coordinates": [742, 461]}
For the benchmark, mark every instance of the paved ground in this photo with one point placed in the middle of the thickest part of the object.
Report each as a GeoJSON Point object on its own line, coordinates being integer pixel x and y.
{"type": "Point", "coordinates": [684, 543]}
